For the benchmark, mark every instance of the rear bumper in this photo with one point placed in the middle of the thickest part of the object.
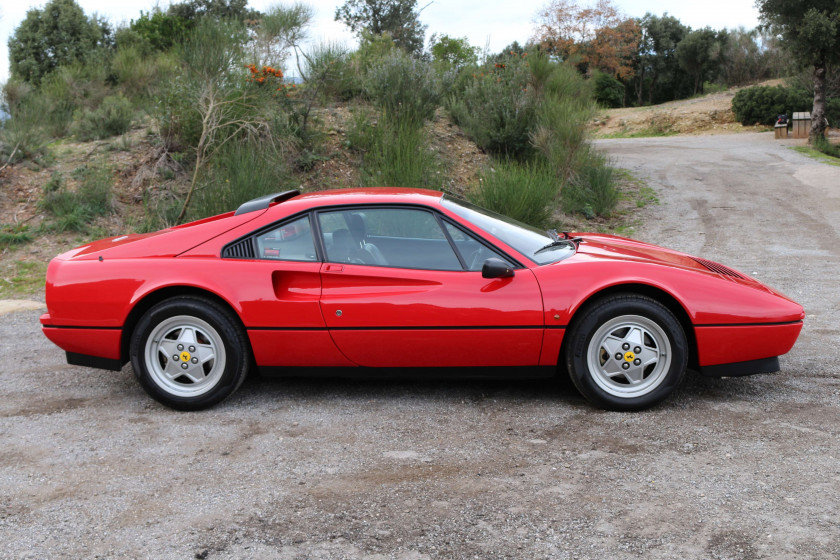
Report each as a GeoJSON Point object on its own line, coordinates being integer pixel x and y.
{"type": "Point", "coordinates": [91, 347]}
{"type": "Point", "coordinates": [732, 344]}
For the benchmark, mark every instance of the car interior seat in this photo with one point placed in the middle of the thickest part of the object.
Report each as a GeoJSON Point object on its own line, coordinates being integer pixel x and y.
{"type": "Point", "coordinates": [358, 230]}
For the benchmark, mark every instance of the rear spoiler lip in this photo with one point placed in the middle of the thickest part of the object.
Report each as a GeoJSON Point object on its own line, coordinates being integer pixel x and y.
{"type": "Point", "coordinates": [264, 202]}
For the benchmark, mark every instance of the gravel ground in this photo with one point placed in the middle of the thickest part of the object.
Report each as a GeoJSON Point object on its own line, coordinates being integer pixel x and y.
{"type": "Point", "coordinates": [731, 468]}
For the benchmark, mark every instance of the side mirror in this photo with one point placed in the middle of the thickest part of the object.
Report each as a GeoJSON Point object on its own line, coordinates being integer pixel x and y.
{"type": "Point", "coordinates": [496, 268]}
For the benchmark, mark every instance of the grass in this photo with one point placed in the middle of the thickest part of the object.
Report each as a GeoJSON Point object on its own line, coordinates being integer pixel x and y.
{"type": "Point", "coordinates": [75, 210]}
{"type": "Point", "coordinates": [634, 194]}
{"type": "Point", "coordinates": [817, 155]}
{"type": "Point", "coordinates": [21, 278]}
{"type": "Point", "coordinates": [525, 192]}
{"type": "Point", "coordinates": [399, 155]}
{"type": "Point", "coordinates": [14, 234]}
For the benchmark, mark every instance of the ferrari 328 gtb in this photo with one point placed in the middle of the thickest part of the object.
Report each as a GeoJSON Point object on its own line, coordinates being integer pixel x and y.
{"type": "Point", "coordinates": [357, 281]}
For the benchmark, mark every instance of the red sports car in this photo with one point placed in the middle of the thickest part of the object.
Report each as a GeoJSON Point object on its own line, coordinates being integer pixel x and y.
{"type": "Point", "coordinates": [360, 280]}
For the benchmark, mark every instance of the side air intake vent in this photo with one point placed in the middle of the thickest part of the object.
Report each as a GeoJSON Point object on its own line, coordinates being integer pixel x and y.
{"type": "Point", "coordinates": [719, 268]}
{"type": "Point", "coordinates": [240, 250]}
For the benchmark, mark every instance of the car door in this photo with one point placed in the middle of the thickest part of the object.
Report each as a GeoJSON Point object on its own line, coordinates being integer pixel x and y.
{"type": "Point", "coordinates": [398, 292]}
{"type": "Point", "coordinates": [279, 285]}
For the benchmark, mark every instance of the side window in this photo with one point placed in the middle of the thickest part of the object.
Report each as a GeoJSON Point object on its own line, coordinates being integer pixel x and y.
{"type": "Point", "coordinates": [395, 237]}
{"type": "Point", "coordinates": [472, 251]}
{"type": "Point", "coordinates": [291, 241]}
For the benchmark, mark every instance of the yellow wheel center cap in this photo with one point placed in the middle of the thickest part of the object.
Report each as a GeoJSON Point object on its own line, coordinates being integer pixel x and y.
{"type": "Point", "coordinates": [185, 356]}
{"type": "Point", "coordinates": [628, 356]}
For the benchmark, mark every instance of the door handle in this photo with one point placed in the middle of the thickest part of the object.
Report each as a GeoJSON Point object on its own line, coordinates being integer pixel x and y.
{"type": "Point", "coordinates": [334, 268]}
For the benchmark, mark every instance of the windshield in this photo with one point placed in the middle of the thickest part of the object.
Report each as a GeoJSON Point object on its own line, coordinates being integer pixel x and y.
{"type": "Point", "coordinates": [536, 244]}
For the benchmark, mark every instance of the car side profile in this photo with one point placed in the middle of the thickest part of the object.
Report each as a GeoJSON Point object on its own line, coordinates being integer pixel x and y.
{"type": "Point", "coordinates": [361, 280]}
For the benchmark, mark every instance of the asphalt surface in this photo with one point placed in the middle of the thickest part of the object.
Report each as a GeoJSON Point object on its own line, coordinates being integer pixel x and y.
{"type": "Point", "coordinates": [732, 468]}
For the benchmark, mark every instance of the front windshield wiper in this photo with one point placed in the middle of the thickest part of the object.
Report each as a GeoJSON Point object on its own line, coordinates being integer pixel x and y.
{"type": "Point", "coordinates": [564, 242]}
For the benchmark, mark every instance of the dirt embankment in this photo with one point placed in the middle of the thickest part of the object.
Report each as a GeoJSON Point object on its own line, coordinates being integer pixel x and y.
{"type": "Point", "coordinates": [709, 114]}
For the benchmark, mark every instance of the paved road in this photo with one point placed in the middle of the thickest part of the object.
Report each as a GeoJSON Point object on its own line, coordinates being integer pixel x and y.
{"type": "Point", "coordinates": [733, 468]}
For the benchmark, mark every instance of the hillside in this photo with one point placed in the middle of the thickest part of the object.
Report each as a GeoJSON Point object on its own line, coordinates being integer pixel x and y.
{"type": "Point", "coordinates": [139, 167]}
{"type": "Point", "coordinates": [707, 114]}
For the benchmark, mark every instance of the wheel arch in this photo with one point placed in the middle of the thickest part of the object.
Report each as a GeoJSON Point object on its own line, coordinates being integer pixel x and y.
{"type": "Point", "coordinates": [658, 294]}
{"type": "Point", "coordinates": [161, 294]}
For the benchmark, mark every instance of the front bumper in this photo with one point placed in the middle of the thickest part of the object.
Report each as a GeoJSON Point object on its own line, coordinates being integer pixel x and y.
{"type": "Point", "coordinates": [732, 344]}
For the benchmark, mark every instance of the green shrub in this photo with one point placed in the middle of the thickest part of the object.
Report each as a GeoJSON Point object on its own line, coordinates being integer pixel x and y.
{"type": "Point", "coordinates": [592, 190]}
{"type": "Point", "coordinates": [211, 68]}
{"type": "Point", "coordinates": [25, 134]}
{"type": "Point", "coordinates": [139, 76]}
{"type": "Point", "coordinates": [762, 104]}
{"type": "Point", "coordinates": [330, 73]}
{"type": "Point", "coordinates": [14, 234]}
{"type": "Point", "coordinates": [526, 192]}
{"type": "Point", "coordinates": [559, 134]}
{"type": "Point", "coordinates": [113, 117]}
{"type": "Point", "coordinates": [160, 30]}
{"type": "Point", "coordinates": [497, 109]}
{"type": "Point", "coordinates": [74, 210]}
{"type": "Point", "coordinates": [398, 155]}
{"type": "Point", "coordinates": [238, 172]}
{"type": "Point", "coordinates": [452, 52]}
{"type": "Point", "coordinates": [403, 87]}
{"type": "Point", "coordinates": [609, 92]}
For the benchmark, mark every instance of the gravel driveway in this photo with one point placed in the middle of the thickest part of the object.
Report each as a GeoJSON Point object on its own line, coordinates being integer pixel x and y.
{"type": "Point", "coordinates": [732, 468]}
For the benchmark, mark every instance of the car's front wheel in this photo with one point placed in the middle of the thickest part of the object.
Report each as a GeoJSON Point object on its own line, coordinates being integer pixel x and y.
{"type": "Point", "coordinates": [189, 353]}
{"type": "Point", "coordinates": [626, 352]}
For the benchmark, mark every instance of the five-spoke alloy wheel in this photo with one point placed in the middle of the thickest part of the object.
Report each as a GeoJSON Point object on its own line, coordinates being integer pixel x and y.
{"type": "Point", "coordinates": [626, 352]}
{"type": "Point", "coordinates": [189, 353]}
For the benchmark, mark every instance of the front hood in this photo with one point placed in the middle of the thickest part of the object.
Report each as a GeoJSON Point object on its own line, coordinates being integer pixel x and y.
{"type": "Point", "coordinates": [614, 247]}
{"type": "Point", "coordinates": [168, 242]}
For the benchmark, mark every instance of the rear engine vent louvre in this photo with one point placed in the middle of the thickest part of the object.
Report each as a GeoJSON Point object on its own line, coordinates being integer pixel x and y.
{"type": "Point", "coordinates": [241, 250]}
{"type": "Point", "coordinates": [719, 268]}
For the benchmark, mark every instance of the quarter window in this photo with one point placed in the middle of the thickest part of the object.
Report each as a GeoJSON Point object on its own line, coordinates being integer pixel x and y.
{"type": "Point", "coordinates": [291, 241]}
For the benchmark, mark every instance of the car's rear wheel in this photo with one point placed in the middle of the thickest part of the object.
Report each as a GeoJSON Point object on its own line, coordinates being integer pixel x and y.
{"type": "Point", "coordinates": [189, 353]}
{"type": "Point", "coordinates": [626, 352]}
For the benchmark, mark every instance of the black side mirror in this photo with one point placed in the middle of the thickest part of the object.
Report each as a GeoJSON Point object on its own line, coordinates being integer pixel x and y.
{"type": "Point", "coordinates": [496, 268]}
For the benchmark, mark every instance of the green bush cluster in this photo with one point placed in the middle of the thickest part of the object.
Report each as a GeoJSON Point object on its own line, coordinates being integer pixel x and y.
{"type": "Point", "coordinates": [397, 153]}
{"type": "Point", "coordinates": [73, 210]}
{"type": "Point", "coordinates": [762, 104]}
{"type": "Point", "coordinates": [523, 191]}
{"type": "Point", "coordinates": [530, 112]}
{"type": "Point", "coordinates": [14, 234]}
{"type": "Point", "coordinates": [496, 109]}
{"type": "Point", "coordinates": [403, 87]}
{"type": "Point", "coordinates": [591, 191]}
{"type": "Point", "coordinates": [111, 118]}
{"type": "Point", "coordinates": [609, 92]}
{"type": "Point", "coordinates": [237, 173]}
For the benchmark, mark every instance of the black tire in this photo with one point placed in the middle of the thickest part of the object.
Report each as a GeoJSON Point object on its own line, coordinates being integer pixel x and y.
{"type": "Point", "coordinates": [626, 352]}
{"type": "Point", "coordinates": [195, 335]}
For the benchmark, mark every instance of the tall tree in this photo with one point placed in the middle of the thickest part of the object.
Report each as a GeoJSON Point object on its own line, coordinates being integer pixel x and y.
{"type": "Point", "coordinates": [657, 57]}
{"type": "Point", "coordinates": [398, 18]}
{"type": "Point", "coordinates": [47, 38]}
{"type": "Point", "coordinates": [700, 54]}
{"type": "Point", "coordinates": [597, 35]}
{"type": "Point", "coordinates": [811, 31]}
{"type": "Point", "coordinates": [452, 52]}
